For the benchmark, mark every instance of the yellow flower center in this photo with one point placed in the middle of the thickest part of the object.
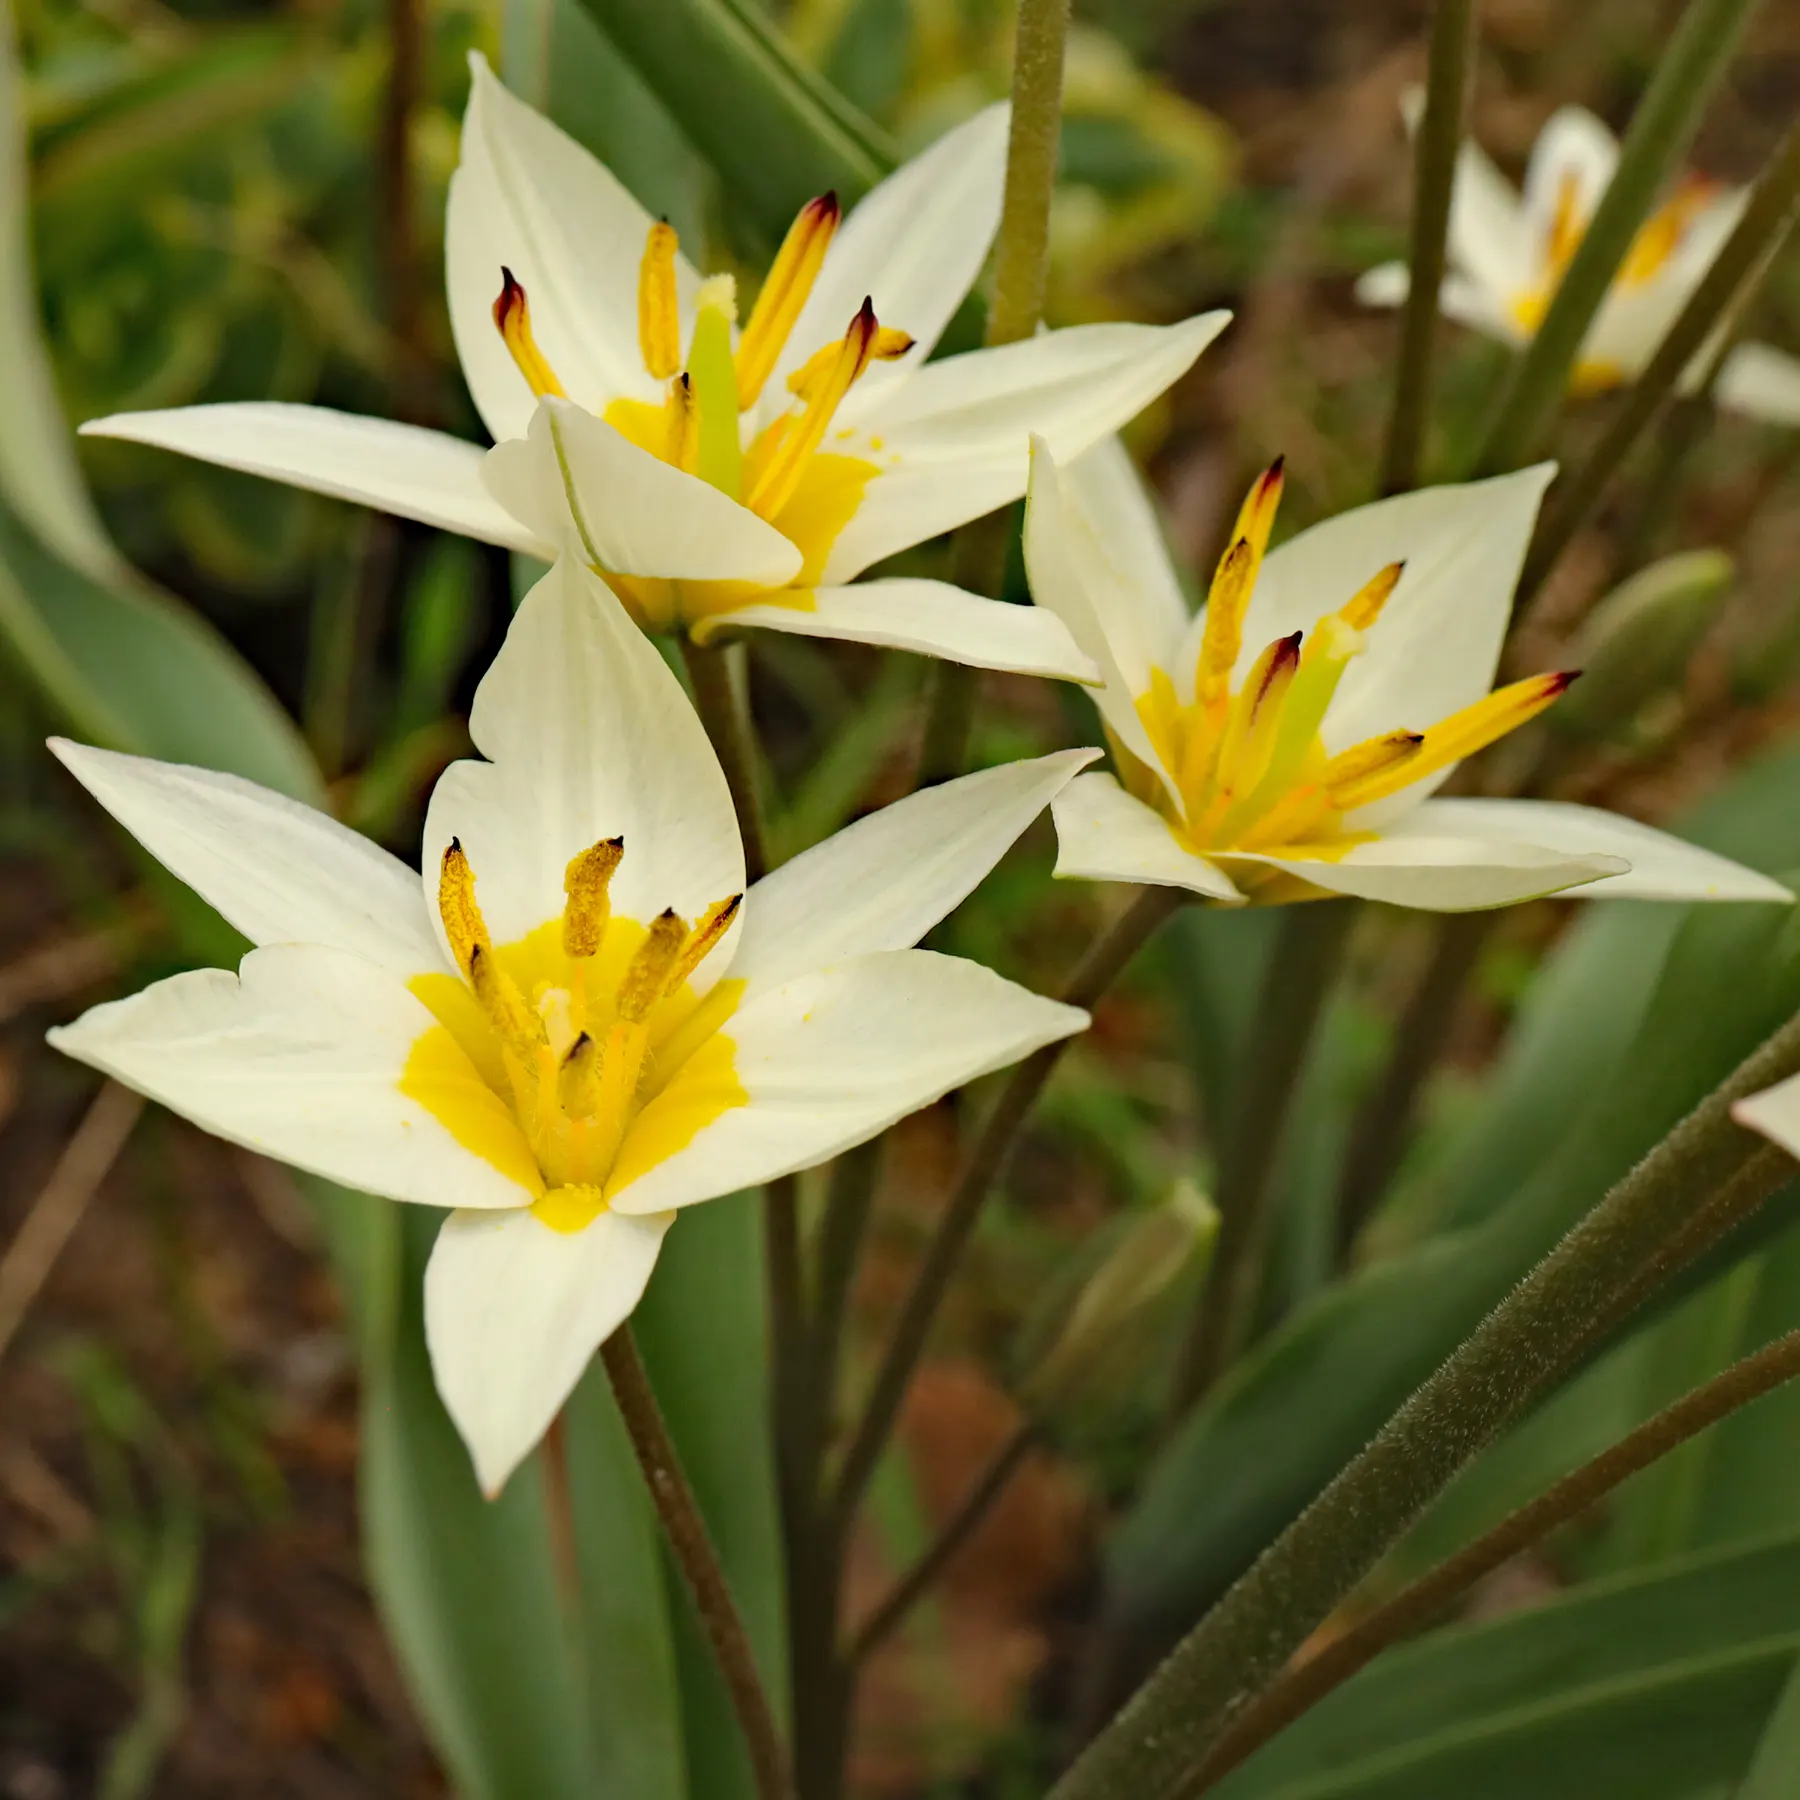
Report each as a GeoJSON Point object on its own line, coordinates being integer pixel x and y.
{"type": "Point", "coordinates": [1658, 239]}
{"type": "Point", "coordinates": [1246, 759]}
{"type": "Point", "coordinates": [599, 1057]}
{"type": "Point", "coordinates": [782, 474]}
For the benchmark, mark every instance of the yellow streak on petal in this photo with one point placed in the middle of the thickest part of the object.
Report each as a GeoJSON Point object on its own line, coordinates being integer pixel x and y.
{"type": "Point", "coordinates": [706, 1088]}
{"type": "Point", "coordinates": [440, 1075]}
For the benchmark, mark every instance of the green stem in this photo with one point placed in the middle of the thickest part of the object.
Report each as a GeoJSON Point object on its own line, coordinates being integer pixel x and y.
{"type": "Point", "coordinates": [1431, 1596]}
{"type": "Point", "coordinates": [1302, 972]}
{"type": "Point", "coordinates": [693, 1549]}
{"type": "Point", "coordinates": [1021, 274]}
{"type": "Point", "coordinates": [1434, 176]}
{"type": "Point", "coordinates": [1727, 287]}
{"type": "Point", "coordinates": [1511, 1358]}
{"type": "Point", "coordinates": [727, 723]}
{"type": "Point", "coordinates": [1104, 962]}
{"type": "Point", "coordinates": [848, 1202]}
{"type": "Point", "coordinates": [1661, 130]}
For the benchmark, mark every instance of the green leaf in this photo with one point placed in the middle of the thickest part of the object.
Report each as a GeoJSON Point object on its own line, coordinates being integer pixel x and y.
{"type": "Point", "coordinates": [1771, 1774]}
{"type": "Point", "coordinates": [1657, 1687]}
{"type": "Point", "coordinates": [776, 132]}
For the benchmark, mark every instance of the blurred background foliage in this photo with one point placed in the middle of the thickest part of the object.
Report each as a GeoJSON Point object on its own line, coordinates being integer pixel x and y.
{"type": "Point", "coordinates": [236, 201]}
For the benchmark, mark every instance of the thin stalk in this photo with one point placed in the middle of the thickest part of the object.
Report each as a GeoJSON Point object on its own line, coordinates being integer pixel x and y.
{"type": "Point", "coordinates": [1726, 288]}
{"type": "Point", "coordinates": [398, 246]}
{"type": "Point", "coordinates": [1021, 273]}
{"type": "Point", "coordinates": [1384, 1125]}
{"type": "Point", "coordinates": [1441, 132]}
{"type": "Point", "coordinates": [1661, 130]}
{"type": "Point", "coordinates": [1302, 973]}
{"type": "Point", "coordinates": [1104, 962]}
{"type": "Point", "coordinates": [727, 724]}
{"type": "Point", "coordinates": [849, 1200]}
{"type": "Point", "coordinates": [913, 1586]}
{"type": "Point", "coordinates": [688, 1538]}
{"type": "Point", "coordinates": [1511, 1358]}
{"type": "Point", "coordinates": [1418, 1606]}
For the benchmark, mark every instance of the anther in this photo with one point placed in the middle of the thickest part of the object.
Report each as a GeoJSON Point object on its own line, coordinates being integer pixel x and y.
{"type": "Point", "coordinates": [646, 977]}
{"type": "Point", "coordinates": [1351, 777]}
{"type": "Point", "coordinates": [784, 294]}
{"type": "Point", "coordinates": [682, 448]}
{"type": "Point", "coordinates": [512, 314]}
{"type": "Point", "coordinates": [1362, 610]}
{"type": "Point", "coordinates": [659, 315]}
{"type": "Point", "coordinates": [586, 908]}
{"type": "Point", "coordinates": [578, 1080]}
{"type": "Point", "coordinates": [518, 1027]}
{"type": "Point", "coordinates": [702, 940]}
{"type": "Point", "coordinates": [781, 469]}
{"type": "Point", "coordinates": [463, 924]}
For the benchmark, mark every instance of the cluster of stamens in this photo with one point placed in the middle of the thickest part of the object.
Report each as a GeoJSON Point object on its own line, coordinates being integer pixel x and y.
{"type": "Point", "coordinates": [1250, 767]}
{"type": "Point", "coordinates": [706, 392]}
{"type": "Point", "coordinates": [582, 1054]}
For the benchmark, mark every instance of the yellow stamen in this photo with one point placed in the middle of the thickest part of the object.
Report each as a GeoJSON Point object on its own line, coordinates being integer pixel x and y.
{"type": "Point", "coordinates": [578, 1080]}
{"type": "Point", "coordinates": [659, 315]}
{"type": "Point", "coordinates": [463, 924]}
{"type": "Point", "coordinates": [1567, 226]}
{"type": "Point", "coordinates": [647, 975]}
{"type": "Point", "coordinates": [890, 345]}
{"type": "Point", "coordinates": [1661, 234]}
{"type": "Point", "coordinates": [784, 293]}
{"type": "Point", "coordinates": [1233, 582]}
{"type": "Point", "coordinates": [1253, 725]}
{"type": "Point", "coordinates": [1364, 607]}
{"type": "Point", "coordinates": [512, 314]}
{"type": "Point", "coordinates": [508, 1011]}
{"type": "Point", "coordinates": [704, 938]}
{"type": "Point", "coordinates": [785, 461]}
{"type": "Point", "coordinates": [587, 908]}
{"type": "Point", "coordinates": [1374, 759]}
{"type": "Point", "coordinates": [683, 445]}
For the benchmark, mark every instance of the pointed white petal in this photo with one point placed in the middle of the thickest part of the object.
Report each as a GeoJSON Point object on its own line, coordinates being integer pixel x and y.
{"type": "Point", "coordinates": [1103, 834]}
{"type": "Point", "coordinates": [1761, 381]}
{"type": "Point", "coordinates": [1775, 1112]}
{"type": "Point", "coordinates": [588, 736]}
{"type": "Point", "coordinates": [1106, 485]}
{"type": "Point", "coordinates": [931, 618]}
{"type": "Point", "coordinates": [1574, 153]}
{"type": "Point", "coordinates": [1491, 240]}
{"type": "Point", "coordinates": [418, 474]}
{"type": "Point", "coordinates": [278, 871]}
{"type": "Point", "coordinates": [1663, 867]}
{"type": "Point", "coordinates": [300, 1056]}
{"type": "Point", "coordinates": [513, 1312]}
{"type": "Point", "coordinates": [1439, 873]}
{"type": "Point", "coordinates": [585, 488]}
{"type": "Point", "coordinates": [832, 1058]}
{"type": "Point", "coordinates": [955, 438]}
{"type": "Point", "coordinates": [1460, 298]}
{"type": "Point", "coordinates": [1106, 578]}
{"type": "Point", "coordinates": [527, 197]}
{"type": "Point", "coordinates": [914, 246]}
{"type": "Point", "coordinates": [1387, 284]}
{"type": "Point", "coordinates": [883, 882]}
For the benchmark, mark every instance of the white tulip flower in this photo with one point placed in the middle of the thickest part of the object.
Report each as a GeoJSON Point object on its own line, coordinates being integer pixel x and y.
{"type": "Point", "coordinates": [1775, 1113]}
{"type": "Point", "coordinates": [1508, 253]}
{"type": "Point", "coordinates": [715, 476]}
{"type": "Point", "coordinates": [1283, 744]}
{"type": "Point", "coordinates": [579, 1022]}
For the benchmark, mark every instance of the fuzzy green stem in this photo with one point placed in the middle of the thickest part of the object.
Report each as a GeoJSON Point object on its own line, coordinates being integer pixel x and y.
{"type": "Point", "coordinates": [1434, 176]}
{"type": "Point", "coordinates": [1510, 1360]}
{"type": "Point", "coordinates": [727, 723]}
{"type": "Point", "coordinates": [1302, 972]}
{"type": "Point", "coordinates": [1416, 1607]}
{"type": "Point", "coordinates": [1661, 130]}
{"type": "Point", "coordinates": [1104, 962]}
{"type": "Point", "coordinates": [692, 1545]}
{"type": "Point", "coordinates": [1727, 288]}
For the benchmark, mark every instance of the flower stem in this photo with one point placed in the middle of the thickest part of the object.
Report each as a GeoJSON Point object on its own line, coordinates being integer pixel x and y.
{"type": "Point", "coordinates": [687, 1536]}
{"type": "Point", "coordinates": [1728, 286]}
{"type": "Point", "coordinates": [728, 725]}
{"type": "Point", "coordinates": [1427, 1599]}
{"type": "Point", "coordinates": [1104, 962]}
{"type": "Point", "coordinates": [1302, 973]}
{"type": "Point", "coordinates": [1661, 130]}
{"type": "Point", "coordinates": [913, 1586]}
{"type": "Point", "coordinates": [1021, 273]}
{"type": "Point", "coordinates": [1434, 176]}
{"type": "Point", "coordinates": [1513, 1357]}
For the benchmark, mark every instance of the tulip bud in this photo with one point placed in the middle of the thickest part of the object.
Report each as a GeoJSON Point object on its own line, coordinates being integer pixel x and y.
{"type": "Point", "coordinates": [1634, 647]}
{"type": "Point", "coordinates": [1114, 1308]}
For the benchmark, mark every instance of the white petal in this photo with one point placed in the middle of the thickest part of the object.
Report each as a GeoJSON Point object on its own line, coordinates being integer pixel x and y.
{"type": "Point", "coordinates": [1106, 485]}
{"type": "Point", "coordinates": [577, 482]}
{"type": "Point", "coordinates": [1460, 298]}
{"type": "Point", "coordinates": [1761, 381]}
{"type": "Point", "coordinates": [1491, 240]}
{"type": "Point", "coordinates": [588, 736]}
{"type": "Point", "coordinates": [883, 882]}
{"type": "Point", "coordinates": [1775, 1112]}
{"type": "Point", "coordinates": [1662, 867]}
{"type": "Point", "coordinates": [300, 1056]}
{"type": "Point", "coordinates": [914, 246]}
{"type": "Point", "coordinates": [1387, 284]}
{"type": "Point", "coordinates": [832, 1058]}
{"type": "Point", "coordinates": [1574, 150]}
{"type": "Point", "coordinates": [513, 1312]}
{"type": "Point", "coordinates": [1435, 647]}
{"type": "Point", "coordinates": [959, 431]}
{"type": "Point", "coordinates": [278, 871]}
{"type": "Point", "coordinates": [1106, 578]}
{"type": "Point", "coordinates": [1103, 834]}
{"type": "Point", "coordinates": [423, 475]}
{"type": "Point", "coordinates": [527, 197]}
{"type": "Point", "coordinates": [931, 618]}
{"type": "Point", "coordinates": [1442, 873]}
